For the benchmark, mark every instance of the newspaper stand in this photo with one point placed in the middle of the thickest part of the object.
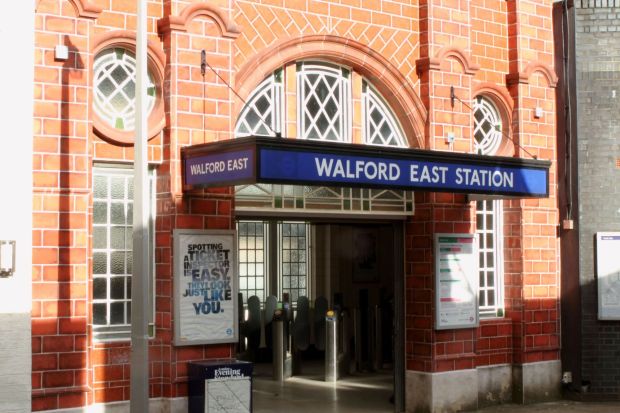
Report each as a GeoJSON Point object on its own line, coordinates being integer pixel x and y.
{"type": "Point", "coordinates": [220, 386]}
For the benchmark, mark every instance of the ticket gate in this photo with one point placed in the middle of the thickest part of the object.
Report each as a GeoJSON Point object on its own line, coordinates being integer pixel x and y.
{"type": "Point", "coordinates": [317, 331]}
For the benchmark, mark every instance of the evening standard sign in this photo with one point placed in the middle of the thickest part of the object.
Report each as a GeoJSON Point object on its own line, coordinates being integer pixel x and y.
{"type": "Point", "coordinates": [288, 161]}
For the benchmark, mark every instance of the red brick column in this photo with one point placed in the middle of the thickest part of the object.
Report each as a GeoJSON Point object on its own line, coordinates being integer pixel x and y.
{"type": "Point", "coordinates": [535, 294]}
{"type": "Point", "coordinates": [60, 237]}
{"type": "Point", "coordinates": [427, 349]}
{"type": "Point", "coordinates": [199, 111]}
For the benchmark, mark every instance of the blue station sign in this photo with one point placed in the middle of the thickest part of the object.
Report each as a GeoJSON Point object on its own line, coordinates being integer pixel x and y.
{"type": "Point", "coordinates": [290, 161]}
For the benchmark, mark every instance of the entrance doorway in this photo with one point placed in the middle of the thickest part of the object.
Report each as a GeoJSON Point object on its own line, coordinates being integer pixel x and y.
{"type": "Point", "coordinates": [355, 268]}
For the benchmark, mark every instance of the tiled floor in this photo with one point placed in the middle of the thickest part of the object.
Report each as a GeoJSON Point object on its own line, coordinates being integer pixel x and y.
{"type": "Point", "coordinates": [310, 393]}
{"type": "Point", "coordinates": [367, 392]}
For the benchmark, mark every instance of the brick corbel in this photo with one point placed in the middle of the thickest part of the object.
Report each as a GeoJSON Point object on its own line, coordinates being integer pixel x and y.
{"type": "Point", "coordinates": [434, 63]}
{"type": "Point", "coordinates": [179, 23]}
{"type": "Point", "coordinates": [524, 76]}
{"type": "Point", "coordinates": [86, 9]}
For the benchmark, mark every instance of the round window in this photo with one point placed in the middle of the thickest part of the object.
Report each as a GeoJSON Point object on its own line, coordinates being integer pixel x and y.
{"type": "Point", "coordinates": [487, 126]}
{"type": "Point", "coordinates": [115, 88]}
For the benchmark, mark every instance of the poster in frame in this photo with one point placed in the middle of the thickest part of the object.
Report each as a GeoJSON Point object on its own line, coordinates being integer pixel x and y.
{"type": "Point", "coordinates": [205, 287]}
{"type": "Point", "coordinates": [456, 281]}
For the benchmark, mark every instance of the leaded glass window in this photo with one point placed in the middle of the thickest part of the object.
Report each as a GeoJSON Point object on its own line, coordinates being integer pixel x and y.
{"type": "Point", "coordinates": [323, 95]}
{"type": "Point", "coordinates": [262, 115]}
{"type": "Point", "coordinates": [487, 126]}
{"type": "Point", "coordinates": [252, 258]}
{"type": "Point", "coordinates": [273, 259]}
{"type": "Point", "coordinates": [115, 88]}
{"type": "Point", "coordinates": [112, 251]}
{"type": "Point", "coordinates": [293, 259]}
{"type": "Point", "coordinates": [380, 125]}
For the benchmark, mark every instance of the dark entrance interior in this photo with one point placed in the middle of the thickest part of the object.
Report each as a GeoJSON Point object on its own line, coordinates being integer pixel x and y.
{"type": "Point", "coordinates": [355, 269]}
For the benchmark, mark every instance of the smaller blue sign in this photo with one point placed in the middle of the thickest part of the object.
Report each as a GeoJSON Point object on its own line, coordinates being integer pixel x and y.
{"type": "Point", "coordinates": [223, 167]}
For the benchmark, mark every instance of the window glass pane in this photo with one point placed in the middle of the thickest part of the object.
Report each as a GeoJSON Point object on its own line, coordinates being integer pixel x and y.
{"type": "Point", "coordinates": [100, 238]}
{"type": "Point", "coordinates": [117, 212]}
{"type": "Point", "coordinates": [100, 213]}
{"type": "Point", "coordinates": [117, 238]}
{"type": "Point", "coordinates": [117, 313]}
{"type": "Point", "coordinates": [117, 288]}
{"type": "Point", "coordinates": [99, 314]}
{"type": "Point", "coordinates": [100, 263]}
{"type": "Point", "coordinates": [100, 187]}
{"type": "Point", "coordinates": [100, 288]}
{"type": "Point", "coordinates": [117, 262]}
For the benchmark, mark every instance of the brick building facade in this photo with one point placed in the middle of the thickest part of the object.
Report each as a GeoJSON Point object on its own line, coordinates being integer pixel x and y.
{"type": "Point", "coordinates": [412, 52]}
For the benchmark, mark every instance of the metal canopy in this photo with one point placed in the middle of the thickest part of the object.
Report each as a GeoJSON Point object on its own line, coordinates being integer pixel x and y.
{"type": "Point", "coordinates": [303, 162]}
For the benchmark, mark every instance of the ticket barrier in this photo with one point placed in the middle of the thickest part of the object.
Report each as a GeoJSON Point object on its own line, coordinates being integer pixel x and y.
{"type": "Point", "coordinates": [368, 330]}
{"type": "Point", "coordinates": [336, 357]}
{"type": "Point", "coordinates": [282, 361]}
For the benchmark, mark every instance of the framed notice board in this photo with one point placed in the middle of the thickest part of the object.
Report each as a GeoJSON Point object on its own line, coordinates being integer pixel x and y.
{"type": "Point", "coordinates": [608, 275]}
{"type": "Point", "coordinates": [456, 281]}
{"type": "Point", "coordinates": [205, 287]}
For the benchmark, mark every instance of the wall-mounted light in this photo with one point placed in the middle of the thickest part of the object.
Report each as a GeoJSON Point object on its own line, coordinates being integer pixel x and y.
{"type": "Point", "coordinates": [7, 258]}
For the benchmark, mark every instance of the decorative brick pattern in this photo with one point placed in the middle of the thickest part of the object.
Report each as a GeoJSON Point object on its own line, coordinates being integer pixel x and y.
{"type": "Point", "coordinates": [414, 51]}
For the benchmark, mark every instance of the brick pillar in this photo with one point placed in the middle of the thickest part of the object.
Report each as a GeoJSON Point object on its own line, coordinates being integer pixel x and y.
{"type": "Point", "coordinates": [534, 299]}
{"type": "Point", "coordinates": [445, 65]}
{"type": "Point", "coordinates": [199, 111]}
{"type": "Point", "coordinates": [61, 191]}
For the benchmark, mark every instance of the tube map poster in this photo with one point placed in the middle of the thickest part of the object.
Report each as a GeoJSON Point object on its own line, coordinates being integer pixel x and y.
{"type": "Point", "coordinates": [205, 290]}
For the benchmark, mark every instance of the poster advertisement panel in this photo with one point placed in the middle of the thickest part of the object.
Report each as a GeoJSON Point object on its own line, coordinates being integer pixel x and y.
{"type": "Point", "coordinates": [205, 290]}
{"type": "Point", "coordinates": [608, 275]}
{"type": "Point", "coordinates": [456, 281]}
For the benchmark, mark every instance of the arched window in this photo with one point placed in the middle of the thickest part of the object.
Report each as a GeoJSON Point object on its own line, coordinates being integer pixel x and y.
{"type": "Point", "coordinates": [487, 126]}
{"type": "Point", "coordinates": [262, 115]}
{"type": "Point", "coordinates": [315, 101]}
{"type": "Point", "coordinates": [487, 141]}
{"type": "Point", "coordinates": [380, 126]}
{"type": "Point", "coordinates": [323, 97]}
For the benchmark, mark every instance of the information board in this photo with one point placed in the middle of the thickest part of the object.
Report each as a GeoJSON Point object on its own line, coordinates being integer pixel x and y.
{"type": "Point", "coordinates": [205, 290]}
{"type": "Point", "coordinates": [608, 275]}
{"type": "Point", "coordinates": [456, 281]}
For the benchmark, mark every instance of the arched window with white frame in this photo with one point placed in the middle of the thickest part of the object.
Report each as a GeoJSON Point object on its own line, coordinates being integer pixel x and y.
{"type": "Point", "coordinates": [320, 95]}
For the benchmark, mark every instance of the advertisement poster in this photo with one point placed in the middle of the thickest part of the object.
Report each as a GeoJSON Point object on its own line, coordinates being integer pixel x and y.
{"type": "Point", "coordinates": [205, 290]}
{"type": "Point", "coordinates": [608, 275]}
{"type": "Point", "coordinates": [456, 281]}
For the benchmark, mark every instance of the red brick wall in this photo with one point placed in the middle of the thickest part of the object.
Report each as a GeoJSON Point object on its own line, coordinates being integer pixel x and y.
{"type": "Point", "coordinates": [419, 50]}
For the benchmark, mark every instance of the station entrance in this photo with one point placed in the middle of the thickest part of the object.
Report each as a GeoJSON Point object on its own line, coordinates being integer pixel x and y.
{"type": "Point", "coordinates": [321, 312]}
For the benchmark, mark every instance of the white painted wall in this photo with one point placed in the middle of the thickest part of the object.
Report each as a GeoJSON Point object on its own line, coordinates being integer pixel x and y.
{"type": "Point", "coordinates": [16, 108]}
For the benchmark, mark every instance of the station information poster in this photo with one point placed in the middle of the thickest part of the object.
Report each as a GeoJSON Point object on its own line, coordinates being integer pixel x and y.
{"type": "Point", "coordinates": [205, 290]}
{"type": "Point", "coordinates": [456, 281]}
{"type": "Point", "coordinates": [608, 275]}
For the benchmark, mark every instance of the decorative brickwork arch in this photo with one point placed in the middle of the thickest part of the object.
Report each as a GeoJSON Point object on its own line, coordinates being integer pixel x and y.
{"type": "Point", "coordinates": [505, 105]}
{"type": "Point", "coordinates": [387, 79]}
{"type": "Point", "coordinates": [179, 23]}
{"type": "Point", "coordinates": [86, 9]}
{"type": "Point", "coordinates": [531, 68]}
{"type": "Point", "coordinates": [435, 63]}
